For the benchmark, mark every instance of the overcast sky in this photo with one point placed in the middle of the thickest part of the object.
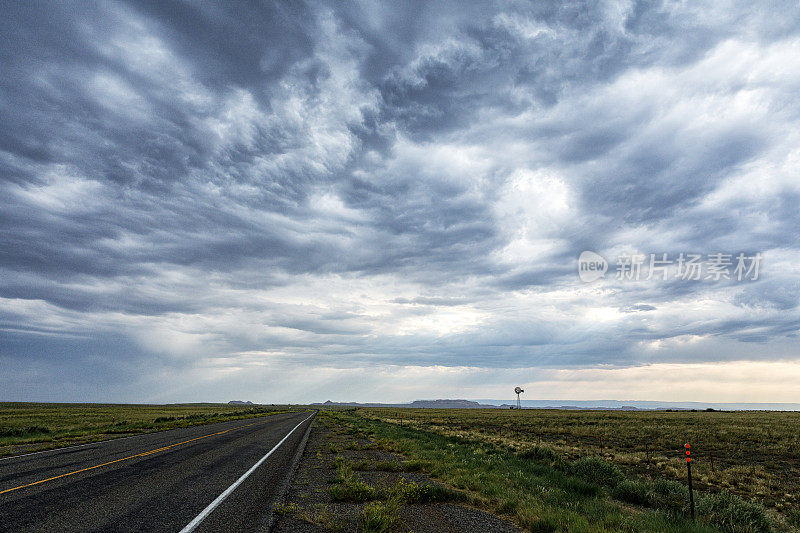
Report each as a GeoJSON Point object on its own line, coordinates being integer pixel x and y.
{"type": "Point", "coordinates": [203, 201]}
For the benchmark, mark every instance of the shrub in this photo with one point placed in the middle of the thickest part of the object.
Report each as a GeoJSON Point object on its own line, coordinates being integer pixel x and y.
{"type": "Point", "coordinates": [344, 470]}
{"type": "Point", "coordinates": [668, 495]}
{"type": "Point", "coordinates": [410, 492]}
{"type": "Point", "coordinates": [413, 466]}
{"type": "Point", "coordinates": [354, 490]}
{"type": "Point", "coordinates": [23, 432]}
{"type": "Point", "coordinates": [632, 492]}
{"type": "Point", "coordinates": [543, 525]}
{"type": "Point", "coordinates": [731, 513]}
{"type": "Point", "coordinates": [540, 454]}
{"type": "Point", "coordinates": [348, 487]}
{"type": "Point", "coordinates": [581, 487]}
{"type": "Point", "coordinates": [596, 470]}
{"type": "Point", "coordinates": [379, 517]}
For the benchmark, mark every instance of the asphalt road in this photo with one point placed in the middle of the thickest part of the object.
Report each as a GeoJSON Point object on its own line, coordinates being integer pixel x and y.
{"type": "Point", "coordinates": [155, 482]}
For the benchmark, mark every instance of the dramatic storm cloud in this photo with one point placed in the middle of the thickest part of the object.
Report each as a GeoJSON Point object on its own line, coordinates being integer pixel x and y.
{"type": "Point", "coordinates": [387, 201]}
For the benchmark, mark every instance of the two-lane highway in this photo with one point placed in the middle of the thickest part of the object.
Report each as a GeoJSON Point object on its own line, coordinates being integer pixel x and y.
{"type": "Point", "coordinates": [217, 477]}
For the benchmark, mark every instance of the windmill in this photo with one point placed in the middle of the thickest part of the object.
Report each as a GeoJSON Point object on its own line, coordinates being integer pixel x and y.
{"type": "Point", "coordinates": [518, 390]}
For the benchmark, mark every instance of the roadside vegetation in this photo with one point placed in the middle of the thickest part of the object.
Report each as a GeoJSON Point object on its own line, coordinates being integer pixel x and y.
{"type": "Point", "coordinates": [26, 427]}
{"type": "Point", "coordinates": [540, 487]}
{"type": "Point", "coordinates": [346, 482]}
{"type": "Point", "coordinates": [751, 454]}
{"type": "Point", "coordinates": [348, 487]}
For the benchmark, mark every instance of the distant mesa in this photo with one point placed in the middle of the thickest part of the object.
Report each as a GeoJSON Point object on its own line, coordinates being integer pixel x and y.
{"type": "Point", "coordinates": [239, 402]}
{"type": "Point", "coordinates": [469, 404]}
{"type": "Point", "coordinates": [421, 404]}
{"type": "Point", "coordinates": [579, 405]}
{"type": "Point", "coordinates": [448, 404]}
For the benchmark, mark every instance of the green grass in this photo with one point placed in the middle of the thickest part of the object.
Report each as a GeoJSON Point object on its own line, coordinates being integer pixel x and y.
{"type": "Point", "coordinates": [379, 517]}
{"type": "Point", "coordinates": [319, 514]}
{"type": "Point", "coordinates": [24, 432]}
{"type": "Point", "coordinates": [410, 492]}
{"type": "Point", "coordinates": [733, 514]}
{"type": "Point", "coordinates": [42, 426]}
{"type": "Point", "coordinates": [752, 454]}
{"type": "Point", "coordinates": [596, 470]}
{"type": "Point", "coordinates": [348, 487]}
{"type": "Point", "coordinates": [537, 490]}
{"type": "Point", "coordinates": [381, 466]}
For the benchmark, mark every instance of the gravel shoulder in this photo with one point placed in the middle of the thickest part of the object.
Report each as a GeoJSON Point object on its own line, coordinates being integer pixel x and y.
{"type": "Point", "coordinates": [345, 483]}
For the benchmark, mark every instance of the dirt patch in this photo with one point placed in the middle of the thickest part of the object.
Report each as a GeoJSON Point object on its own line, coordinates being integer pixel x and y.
{"type": "Point", "coordinates": [345, 483]}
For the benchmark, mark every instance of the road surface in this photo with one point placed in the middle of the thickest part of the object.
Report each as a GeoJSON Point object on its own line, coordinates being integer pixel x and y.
{"type": "Point", "coordinates": [217, 477]}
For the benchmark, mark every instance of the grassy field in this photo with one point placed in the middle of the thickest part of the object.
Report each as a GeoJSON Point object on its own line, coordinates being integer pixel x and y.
{"type": "Point", "coordinates": [756, 455]}
{"type": "Point", "coordinates": [26, 427]}
{"type": "Point", "coordinates": [548, 470]}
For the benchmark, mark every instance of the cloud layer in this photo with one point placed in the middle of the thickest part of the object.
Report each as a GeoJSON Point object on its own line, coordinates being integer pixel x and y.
{"type": "Point", "coordinates": [198, 194]}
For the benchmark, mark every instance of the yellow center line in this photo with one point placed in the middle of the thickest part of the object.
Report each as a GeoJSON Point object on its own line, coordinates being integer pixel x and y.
{"type": "Point", "coordinates": [150, 452]}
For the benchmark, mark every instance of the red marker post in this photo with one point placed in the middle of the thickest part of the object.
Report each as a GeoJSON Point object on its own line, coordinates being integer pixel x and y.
{"type": "Point", "coordinates": [689, 472]}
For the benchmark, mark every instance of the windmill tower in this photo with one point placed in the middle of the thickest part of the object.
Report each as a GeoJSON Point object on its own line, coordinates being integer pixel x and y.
{"type": "Point", "coordinates": [518, 390]}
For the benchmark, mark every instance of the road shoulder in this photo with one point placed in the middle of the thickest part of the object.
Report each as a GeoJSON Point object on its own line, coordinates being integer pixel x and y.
{"type": "Point", "coordinates": [346, 483]}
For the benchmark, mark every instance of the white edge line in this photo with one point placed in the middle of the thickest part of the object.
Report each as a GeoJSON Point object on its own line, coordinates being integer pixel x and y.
{"type": "Point", "coordinates": [219, 499]}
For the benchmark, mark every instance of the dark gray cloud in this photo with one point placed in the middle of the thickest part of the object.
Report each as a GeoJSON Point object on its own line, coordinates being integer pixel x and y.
{"type": "Point", "coordinates": [199, 189]}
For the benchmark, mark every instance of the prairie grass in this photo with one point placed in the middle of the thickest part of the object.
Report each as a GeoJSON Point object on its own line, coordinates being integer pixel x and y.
{"type": "Point", "coordinates": [752, 454]}
{"type": "Point", "coordinates": [545, 491]}
{"type": "Point", "coordinates": [42, 426]}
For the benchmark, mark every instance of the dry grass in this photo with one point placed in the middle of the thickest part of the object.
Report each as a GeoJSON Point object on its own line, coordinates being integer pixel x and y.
{"type": "Point", "coordinates": [756, 455]}
{"type": "Point", "coordinates": [36, 426]}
